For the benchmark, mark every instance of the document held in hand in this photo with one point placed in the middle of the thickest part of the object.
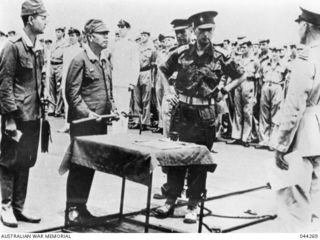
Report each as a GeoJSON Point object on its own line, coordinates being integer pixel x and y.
{"type": "Point", "coordinates": [295, 175]}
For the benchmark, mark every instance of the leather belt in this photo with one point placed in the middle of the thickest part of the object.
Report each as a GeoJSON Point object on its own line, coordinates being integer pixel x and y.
{"type": "Point", "coordinates": [270, 82]}
{"type": "Point", "coordinates": [144, 69]}
{"type": "Point", "coordinates": [55, 63]}
{"type": "Point", "coordinates": [195, 100]}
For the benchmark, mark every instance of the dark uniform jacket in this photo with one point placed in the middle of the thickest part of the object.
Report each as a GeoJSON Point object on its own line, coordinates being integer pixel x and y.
{"type": "Point", "coordinates": [20, 88]}
{"type": "Point", "coordinates": [88, 88]}
{"type": "Point", "coordinates": [20, 80]}
{"type": "Point", "coordinates": [198, 75]}
{"type": "Point", "coordinates": [197, 78]}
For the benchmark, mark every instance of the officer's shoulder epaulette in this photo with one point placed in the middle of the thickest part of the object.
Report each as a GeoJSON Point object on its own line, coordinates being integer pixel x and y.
{"type": "Point", "coordinates": [304, 54]}
{"type": "Point", "coordinates": [182, 48]}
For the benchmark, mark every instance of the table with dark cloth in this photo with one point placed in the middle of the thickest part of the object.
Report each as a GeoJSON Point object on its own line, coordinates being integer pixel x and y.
{"type": "Point", "coordinates": [134, 156]}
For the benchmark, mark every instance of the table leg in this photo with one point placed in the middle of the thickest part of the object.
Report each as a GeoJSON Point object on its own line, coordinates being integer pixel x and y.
{"type": "Point", "coordinates": [146, 228]}
{"type": "Point", "coordinates": [201, 211]}
{"type": "Point", "coordinates": [122, 198]}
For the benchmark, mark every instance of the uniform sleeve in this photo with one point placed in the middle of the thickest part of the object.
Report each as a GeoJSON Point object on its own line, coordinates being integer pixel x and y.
{"type": "Point", "coordinates": [170, 66]}
{"type": "Point", "coordinates": [109, 80]}
{"type": "Point", "coordinates": [294, 105]}
{"type": "Point", "coordinates": [231, 69]}
{"type": "Point", "coordinates": [73, 89]}
{"type": "Point", "coordinates": [8, 60]}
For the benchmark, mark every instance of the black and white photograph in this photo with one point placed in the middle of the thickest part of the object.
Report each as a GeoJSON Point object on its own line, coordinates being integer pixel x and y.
{"type": "Point", "coordinates": [136, 116]}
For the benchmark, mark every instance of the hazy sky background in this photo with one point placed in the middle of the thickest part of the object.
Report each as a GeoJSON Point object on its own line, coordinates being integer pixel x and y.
{"type": "Point", "coordinates": [256, 19]}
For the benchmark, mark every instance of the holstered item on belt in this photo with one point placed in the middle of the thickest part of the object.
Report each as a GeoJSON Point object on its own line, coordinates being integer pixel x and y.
{"type": "Point", "coordinates": [146, 68]}
{"type": "Point", "coordinates": [45, 135]}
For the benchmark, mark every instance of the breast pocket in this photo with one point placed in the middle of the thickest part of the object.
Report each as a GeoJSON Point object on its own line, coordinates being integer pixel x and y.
{"type": "Point", "coordinates": [92, 74]}
{"type": "Point", "coordinates": [26, 62]}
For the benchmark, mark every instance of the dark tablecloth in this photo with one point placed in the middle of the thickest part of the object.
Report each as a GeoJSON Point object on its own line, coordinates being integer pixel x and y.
{"type": "Point", "coordinates": [133, 156]}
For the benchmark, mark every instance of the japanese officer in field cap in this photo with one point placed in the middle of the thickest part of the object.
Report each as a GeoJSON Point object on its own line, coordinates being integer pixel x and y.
{"type": "Point", "coordinates": [20, 81]}
{"type": "Point", "coordinates": [89, 94]}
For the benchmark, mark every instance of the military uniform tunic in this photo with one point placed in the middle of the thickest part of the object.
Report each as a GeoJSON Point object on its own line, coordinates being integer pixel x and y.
{"type": "Point", "coordinates": [298, 129]}
{"type": "Point", "coordinates": [194, 116]}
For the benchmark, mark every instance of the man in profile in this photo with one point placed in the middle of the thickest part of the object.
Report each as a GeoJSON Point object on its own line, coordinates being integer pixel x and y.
{"type": "Point", "coordinates": [298, 131]}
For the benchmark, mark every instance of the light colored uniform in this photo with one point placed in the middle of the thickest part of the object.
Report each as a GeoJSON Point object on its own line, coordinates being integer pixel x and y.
{"type": "Point", "coordinates": [159, 82]}
{"type": "Point", "coordinates": [142, 91]}
{"type": "Point", "coordinates": [125, 62]}
{"type": "Point", "coordinates": [244, 100]}
{"type": "Point", "coordinates": [272, 76]}
{"type": "Point", "coordinates": [55, 75]}
{"type": "Point", "coordinates": [68, 54]}
{"type": "Point", "coordinates": [299, 130]}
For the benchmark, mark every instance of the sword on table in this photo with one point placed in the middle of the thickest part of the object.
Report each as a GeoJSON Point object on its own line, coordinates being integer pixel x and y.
{"type": "Point", "coordinates": [112, 117]}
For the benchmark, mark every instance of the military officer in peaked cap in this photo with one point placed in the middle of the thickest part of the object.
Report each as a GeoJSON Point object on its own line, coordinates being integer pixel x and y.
{"type": "Point", "coordinates": [125, 73]}
{"type": "Point", "coordinates": [200, 69]}
{"type": "Point", "coordinates": [20, 81]}
{"type": "Point", "coordinates": [298, 131]}
{"type": "Point", "coordinates": [169, 99]}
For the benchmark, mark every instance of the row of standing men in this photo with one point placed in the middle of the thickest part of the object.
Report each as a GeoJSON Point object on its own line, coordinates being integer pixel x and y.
{"type": "Point", "coordinates": [198, 77]}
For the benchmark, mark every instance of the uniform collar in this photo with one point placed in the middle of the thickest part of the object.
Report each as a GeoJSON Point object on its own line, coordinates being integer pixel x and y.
{"type": "Point", "coordinates": [92, 57]}
{"type": "Point", "coordinates": [26, 39]}
{"type": "Point", "coordinates": [270, 62]}
{"type": "Point", "coordinates": [207, 51]}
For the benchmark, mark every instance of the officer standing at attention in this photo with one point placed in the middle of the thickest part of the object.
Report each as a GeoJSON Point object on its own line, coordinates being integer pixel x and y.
{"type": "Point", "coordinates": [142, 90]}
{"type": "Point", "coordinates": [55, 74]}
{"type": "Point", "coordinates": [125, 63]}
{"type": "Point", "coordinates": [244, 98]}
{"type": "Point", "coordinates": [272, 74]}
{"type": "Point", "coordinates": [20, 88]}
{"type": "Point", "coordinates": [200, 68]}
{"type": "Point", "coordinates": [88, 94]}
{"type": "Point", "coordinates": [298, 130]}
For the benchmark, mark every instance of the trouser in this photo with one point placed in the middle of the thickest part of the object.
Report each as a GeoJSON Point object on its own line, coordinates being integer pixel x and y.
{"type": "Point", "coordinates": [244, 100]}
{"type": "Point", "coordinates": [160, 95]}
{"type": "Point", "coordinates": [14, 184]}
{"type": "Point", "coordinates": [196, 181]}
{"type": "Point", "coordinates": [80, 178]}
{"type": "Point", "coordinates": [193, 124]}
{"type": "Point", "coordinates": [65, 103]}
{"type": "Point", "coordinates": [55, 90]}
{"type": "Point", "coordinates": [121, 97]}
{"type": "Point", "coordinates": [271, 97]}
{"type": "Point", "coordinates": [142, 97]}
{"type": "Point", "coordinates": [166, 108]}
{"type": "Point", "coordinates": [296, 204]}
{"type": "Point", "coordinates": [78, 185]}
{"type": "Point", "coordinates": [222, 119]}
